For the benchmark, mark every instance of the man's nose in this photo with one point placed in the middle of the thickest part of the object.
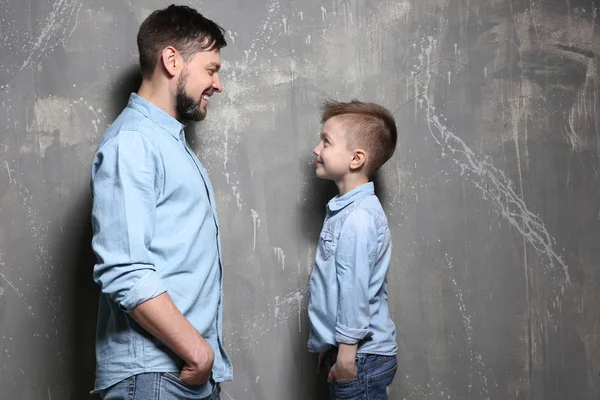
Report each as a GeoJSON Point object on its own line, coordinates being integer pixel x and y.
{"type": "Point", "coordinates": [217, 84]}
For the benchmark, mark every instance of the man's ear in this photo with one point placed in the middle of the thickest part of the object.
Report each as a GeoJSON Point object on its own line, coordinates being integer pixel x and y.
{"type": "Point", "coordinates": [171, 60]}
{"type": "Point", "coordinates": [358, 159]}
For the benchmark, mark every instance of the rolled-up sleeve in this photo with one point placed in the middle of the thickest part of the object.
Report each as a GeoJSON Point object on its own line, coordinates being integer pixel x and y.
{"type": "Point", "coordinates": [356, 245]}
{"type": "Point", "coordinates": [126, 176]}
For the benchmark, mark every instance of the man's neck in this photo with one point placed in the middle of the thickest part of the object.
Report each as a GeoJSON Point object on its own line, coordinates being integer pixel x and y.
{"type": "Point", "coordinates": [158, 95]}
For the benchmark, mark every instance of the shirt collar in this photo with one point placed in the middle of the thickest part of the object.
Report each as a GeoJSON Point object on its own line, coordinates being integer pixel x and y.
{"type": "Point", "coordinates": [339, 202]}
{"type": "Point", "coordinates": [155, 114]}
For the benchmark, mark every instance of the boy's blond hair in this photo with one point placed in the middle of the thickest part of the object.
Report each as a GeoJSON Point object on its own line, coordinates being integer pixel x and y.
{"type": "Point", "coordinates": [368, 126]}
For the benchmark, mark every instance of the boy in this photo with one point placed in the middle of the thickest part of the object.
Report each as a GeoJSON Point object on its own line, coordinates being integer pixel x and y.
{"type": "Point", "coordinates": [350, 323]}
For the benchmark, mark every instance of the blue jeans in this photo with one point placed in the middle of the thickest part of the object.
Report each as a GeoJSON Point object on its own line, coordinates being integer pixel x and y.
{"type": "Point", "coordinates": [373, 375]}
{"type": "Point", "coordinates": [156, 386]}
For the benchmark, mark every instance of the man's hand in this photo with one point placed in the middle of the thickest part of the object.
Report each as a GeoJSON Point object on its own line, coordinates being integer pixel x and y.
{"type": "Point", "coordinates": [198, 372]}
{"type": "Point", "coordinates": [161, 318]}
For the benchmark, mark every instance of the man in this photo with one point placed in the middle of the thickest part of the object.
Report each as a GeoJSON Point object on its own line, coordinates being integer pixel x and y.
{"type": "Point", "coordinates": [156, 232]}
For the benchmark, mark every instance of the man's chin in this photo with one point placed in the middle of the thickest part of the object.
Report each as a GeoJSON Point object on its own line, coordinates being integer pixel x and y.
{"type": "Point", "coordinates": [196, 117]}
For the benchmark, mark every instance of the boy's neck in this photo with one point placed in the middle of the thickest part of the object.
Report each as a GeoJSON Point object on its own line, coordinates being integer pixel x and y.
{"type": "Point", "coordinates": [351, 182]}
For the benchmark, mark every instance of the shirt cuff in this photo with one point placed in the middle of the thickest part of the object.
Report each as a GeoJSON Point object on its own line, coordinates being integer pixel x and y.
{"type": "Point", "coordinates": [147, 287]}
{"type": "Point", "coordinates": [346, 335]}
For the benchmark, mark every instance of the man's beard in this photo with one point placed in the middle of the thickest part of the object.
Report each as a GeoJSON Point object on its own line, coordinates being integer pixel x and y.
{"type": "Point", "coordinates": [187, 108]}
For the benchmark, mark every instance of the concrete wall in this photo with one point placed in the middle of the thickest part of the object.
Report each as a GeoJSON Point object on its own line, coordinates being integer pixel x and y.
{"type": "Point", "coordinates": [492, 196]}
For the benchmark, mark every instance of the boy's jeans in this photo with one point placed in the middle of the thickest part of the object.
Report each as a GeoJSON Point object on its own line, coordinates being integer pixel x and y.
{"type": "Point", "coordinates": [373, 375]}
{"type": "Point", "coordinates": [156, 386]}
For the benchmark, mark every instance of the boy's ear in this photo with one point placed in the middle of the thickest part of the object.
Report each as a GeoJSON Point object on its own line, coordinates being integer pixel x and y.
{"type": "Point", "coordinates": [358, 160]}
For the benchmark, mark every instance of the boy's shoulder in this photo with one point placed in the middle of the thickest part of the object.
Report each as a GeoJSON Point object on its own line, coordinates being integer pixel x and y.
{"type": "Point", "coordinates": [368, 209]}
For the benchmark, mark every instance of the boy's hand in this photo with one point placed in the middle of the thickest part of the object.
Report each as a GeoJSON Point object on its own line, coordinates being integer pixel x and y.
{"type": "Point", "coordinates": [342, 371]}
{"type": "Point", "coordinates": [321, 361]}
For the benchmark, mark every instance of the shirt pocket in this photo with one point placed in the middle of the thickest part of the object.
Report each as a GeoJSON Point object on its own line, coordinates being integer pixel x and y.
{"type": "Point", "coordinates": [326, 244]}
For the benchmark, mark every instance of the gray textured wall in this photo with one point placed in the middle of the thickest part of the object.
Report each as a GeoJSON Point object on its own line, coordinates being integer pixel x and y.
{"type": "Point", "coordinates": [492, 196]}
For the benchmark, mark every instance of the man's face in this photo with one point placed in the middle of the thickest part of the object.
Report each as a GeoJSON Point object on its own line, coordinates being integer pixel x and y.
{"type": "Point", "coordinates": [196, 84]}
{"type": "Point", "coordinates": [333, 156]}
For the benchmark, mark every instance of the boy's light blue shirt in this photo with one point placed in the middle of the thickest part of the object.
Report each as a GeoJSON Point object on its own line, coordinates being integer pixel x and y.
{"type": "Point", "coordinates": [348, 285]}
{"type": "Point", "coordinates": [155, 230]}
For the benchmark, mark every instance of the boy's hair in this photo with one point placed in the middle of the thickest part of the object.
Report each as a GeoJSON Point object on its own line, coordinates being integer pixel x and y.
{"type": "Point", "coordinates": [182, 27]}
{"type": "Point", "coordinates": [369, 126]}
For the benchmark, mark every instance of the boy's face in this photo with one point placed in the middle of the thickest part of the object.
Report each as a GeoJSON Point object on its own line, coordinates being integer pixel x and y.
{"type": "Point", "coordinates": [333, 156]}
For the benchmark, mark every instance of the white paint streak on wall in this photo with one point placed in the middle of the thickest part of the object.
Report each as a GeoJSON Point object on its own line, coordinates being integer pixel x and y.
{"type": "Point", "coordinates": [56, 23]}
{"type": "Point", "coordinates": [278, 251]}
{"type": "Point", "coordinates": [276, 311]}
{"type": "Point", "coordinates": [476, 360]}
{"type": "Point", "coordinates": [293, 304]}
{"type": "Point", "coordinates": [256, 223]}
{"type": "Point", "coordinates": [299, 298]}
{"type": "Point", "coordinates": [231, 36]}
{"type": "Point", "coordinates": [227, 394]}
{"type": "Point", "coordinates": [492, 183]}
{"type": "Point", "coordinates": [10, 181]}
{"type": "Point", "coordinates": [21, 296]}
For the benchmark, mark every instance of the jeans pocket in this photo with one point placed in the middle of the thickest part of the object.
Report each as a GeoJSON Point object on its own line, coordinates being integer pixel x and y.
{"type": "Point", "coordinates": [173, 386]}
{"type": "Point", "coordinates": [350, 381]}
{"type": "Point", "coordinates": [380, 378]}
{"type": "Point", "coordinates": [347, 390]}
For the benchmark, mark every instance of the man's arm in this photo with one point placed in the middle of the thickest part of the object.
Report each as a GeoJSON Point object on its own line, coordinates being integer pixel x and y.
{"type": "Point", "coordinates": [161, 318]}
{"type": "Point", "coordinates": [356, 244]}
{"type": "Point", "coordinates": [126, 182]}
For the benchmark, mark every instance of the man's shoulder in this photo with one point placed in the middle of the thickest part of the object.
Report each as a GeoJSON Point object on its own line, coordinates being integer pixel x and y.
{"type": "Point", "coordinates": [130, 122]}
{"type": "Point", "coordinates": [128, 127]}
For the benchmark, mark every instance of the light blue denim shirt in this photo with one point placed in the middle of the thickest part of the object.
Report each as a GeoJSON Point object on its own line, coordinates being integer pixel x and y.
{"type": "Point", "coordinates": [348, 285]}
{"type": "Point", "coordinates": [155, 230]}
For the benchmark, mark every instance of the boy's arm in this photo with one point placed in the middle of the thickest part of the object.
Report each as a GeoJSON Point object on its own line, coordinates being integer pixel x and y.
{"type": "Point", "coordinates": [356, 246]}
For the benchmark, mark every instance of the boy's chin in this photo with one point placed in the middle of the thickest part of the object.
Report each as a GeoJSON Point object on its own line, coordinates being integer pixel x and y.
{"type": "Point", "coordinates": [321, 174]}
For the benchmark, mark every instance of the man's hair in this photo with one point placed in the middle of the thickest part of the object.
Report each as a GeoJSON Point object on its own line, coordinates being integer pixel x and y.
{"type": "Point", "coordinates": [368, 126]}
{"type": "Point", "coordinates": [182, 27]}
